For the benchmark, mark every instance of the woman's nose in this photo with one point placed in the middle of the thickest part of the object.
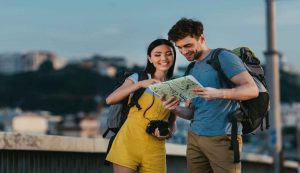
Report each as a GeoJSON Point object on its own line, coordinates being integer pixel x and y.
{"type": "Point", "coordinates": [164, 57]}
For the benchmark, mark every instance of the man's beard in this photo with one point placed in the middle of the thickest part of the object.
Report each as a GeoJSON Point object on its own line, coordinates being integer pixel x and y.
{"type": "Point", "coordinates": [197, 55]}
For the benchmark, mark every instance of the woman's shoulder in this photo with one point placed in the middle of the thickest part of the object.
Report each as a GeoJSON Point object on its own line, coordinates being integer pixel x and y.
{"type": "Point", "coordinates": [135, 77]}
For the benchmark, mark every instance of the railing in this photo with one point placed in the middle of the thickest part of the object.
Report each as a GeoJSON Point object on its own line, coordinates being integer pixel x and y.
{"type": "Point", "coordinates": [25, 153]}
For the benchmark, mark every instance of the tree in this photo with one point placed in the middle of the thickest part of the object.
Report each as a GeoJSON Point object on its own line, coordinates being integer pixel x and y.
{"type": "Point", "coordinates": [46, 66]}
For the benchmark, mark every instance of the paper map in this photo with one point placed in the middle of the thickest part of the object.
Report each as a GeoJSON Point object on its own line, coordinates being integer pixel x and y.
{"type": "Point", "coordinates": [179, 87]}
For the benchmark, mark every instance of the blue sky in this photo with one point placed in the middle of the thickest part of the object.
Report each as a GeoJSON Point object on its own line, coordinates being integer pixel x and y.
{"type": "Point", "coordinates": [74, 29]}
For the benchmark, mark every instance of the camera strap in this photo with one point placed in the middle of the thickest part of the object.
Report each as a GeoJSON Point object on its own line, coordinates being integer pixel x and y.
{"type": "Point", "coordinates": [159, 108]}
{"type": "Point", "coordinates": [149, 107]}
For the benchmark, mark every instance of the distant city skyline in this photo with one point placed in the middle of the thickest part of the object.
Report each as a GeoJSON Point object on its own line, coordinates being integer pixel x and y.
{"type": "Point", "coordinates": [77, 29]}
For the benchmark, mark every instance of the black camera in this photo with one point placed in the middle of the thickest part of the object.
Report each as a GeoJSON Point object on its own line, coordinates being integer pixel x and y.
{"type": "Point", "coordinates": [162, 126]}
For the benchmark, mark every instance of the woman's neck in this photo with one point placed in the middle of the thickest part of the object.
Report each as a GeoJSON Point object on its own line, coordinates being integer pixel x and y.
{"type": "Point", "coordinates": [160, 75]}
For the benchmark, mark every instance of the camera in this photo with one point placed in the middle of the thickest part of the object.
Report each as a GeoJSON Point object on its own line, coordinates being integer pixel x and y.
{"type": "Point", "coordinates": [162, 126]}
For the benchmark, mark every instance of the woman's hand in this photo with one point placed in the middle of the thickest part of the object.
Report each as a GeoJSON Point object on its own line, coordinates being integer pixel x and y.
{"type": "Point", "coordinates": [146, 83]}
{"type": "Point", "coordinates": [188, 103]}
{"type": "Point", "coordinates": [170, 103]}
{"type": "Point", "coordinates": [157, 134]}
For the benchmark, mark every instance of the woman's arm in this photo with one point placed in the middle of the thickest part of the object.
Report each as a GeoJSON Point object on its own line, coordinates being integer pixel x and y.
{"type": "Point", "coordinates": [128, 87]}
{"type": "Point", "coordinates": [122, 92]}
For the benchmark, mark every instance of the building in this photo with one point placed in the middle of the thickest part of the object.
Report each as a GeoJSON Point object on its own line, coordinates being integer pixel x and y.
{"type": "Point", "coordinates": [104, 65]}
{"type": "Point", "coordinates": [291, 130]}
{"type": "Point", "coordinates": [10, 63]}
{"type": "Point", "coordinates": [30, 61]}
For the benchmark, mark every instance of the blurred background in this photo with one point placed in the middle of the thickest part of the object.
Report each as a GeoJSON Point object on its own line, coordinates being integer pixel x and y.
{"type": "Point", "coordinates": [59, 59]}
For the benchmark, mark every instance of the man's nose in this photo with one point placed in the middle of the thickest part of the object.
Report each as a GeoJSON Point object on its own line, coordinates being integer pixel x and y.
{"type": "Point", "coordinates": [184, 51]}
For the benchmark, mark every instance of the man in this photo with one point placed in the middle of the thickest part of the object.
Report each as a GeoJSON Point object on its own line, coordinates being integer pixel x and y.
{"type": "Point", "coordinates": [208, 137]}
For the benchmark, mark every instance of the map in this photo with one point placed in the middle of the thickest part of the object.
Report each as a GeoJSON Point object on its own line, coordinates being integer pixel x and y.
{"type": "Point", "coordinates": [179, 87]}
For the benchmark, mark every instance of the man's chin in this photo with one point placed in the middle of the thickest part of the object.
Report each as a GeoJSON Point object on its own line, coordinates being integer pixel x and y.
{"type": "Point", "coordinates": [189, 58]}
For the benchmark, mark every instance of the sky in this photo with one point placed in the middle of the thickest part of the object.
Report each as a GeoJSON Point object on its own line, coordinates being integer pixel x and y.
{"type": "Point", "coordinates": [77, 29]}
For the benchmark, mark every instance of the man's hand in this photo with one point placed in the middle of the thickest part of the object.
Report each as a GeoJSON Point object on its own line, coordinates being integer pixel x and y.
{"type": "Point", "coordinates": [208, 93]}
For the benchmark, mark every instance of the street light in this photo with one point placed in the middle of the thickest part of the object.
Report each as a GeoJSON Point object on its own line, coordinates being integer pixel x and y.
{"type": "Point", "coordinates": [272, 76]}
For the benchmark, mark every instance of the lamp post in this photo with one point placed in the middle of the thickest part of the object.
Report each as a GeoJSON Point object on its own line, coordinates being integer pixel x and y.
{"type": "Point", "coordinates": [272, 75]}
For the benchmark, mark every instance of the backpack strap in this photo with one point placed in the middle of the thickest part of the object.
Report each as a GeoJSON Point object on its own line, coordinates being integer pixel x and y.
{"type": "Point", "coordinates": [106, 162]}
{"type": "Point", "coordinates": [142, 75]}
{"type": "Point", "coordinates": [267, 121]}
{"type": "Point", "coordinates": [189, 67]}
{"type": "Point", "coordinates": [215, 63]}
{"type": "Point", "coordinates": [237, 115]}
{"type": "Point", "coordinates": [106, 132]}
{"type": "Point", "coordinates": [234, 118]}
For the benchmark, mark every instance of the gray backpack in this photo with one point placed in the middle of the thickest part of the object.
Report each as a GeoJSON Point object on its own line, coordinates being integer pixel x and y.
{"type": "Point", "coordinates": [117, 113]}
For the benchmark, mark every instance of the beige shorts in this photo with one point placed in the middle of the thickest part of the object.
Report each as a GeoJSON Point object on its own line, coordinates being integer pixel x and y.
{"type": "Point", "coordinates": [211, 154]}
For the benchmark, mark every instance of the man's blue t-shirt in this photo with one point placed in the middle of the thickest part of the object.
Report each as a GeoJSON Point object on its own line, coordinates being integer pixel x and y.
{"type": "Point", "coordinates": [211, 116]}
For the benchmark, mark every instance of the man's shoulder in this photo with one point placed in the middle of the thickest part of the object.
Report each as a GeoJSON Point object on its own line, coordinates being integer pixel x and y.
{"type": "Point", "coordinates": [230, 63]}
{"type": "Point", "coordinates": [228, 57]}
{"type": "Point", "coordinates": [225, 53]}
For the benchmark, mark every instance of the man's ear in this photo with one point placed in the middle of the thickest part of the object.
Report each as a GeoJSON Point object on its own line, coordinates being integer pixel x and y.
{"type": "Point", "coordinates": [202, 38]}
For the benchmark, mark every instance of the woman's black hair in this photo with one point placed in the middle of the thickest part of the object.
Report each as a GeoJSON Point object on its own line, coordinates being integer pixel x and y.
{"type": "Point", "coordinates": [150, 67]}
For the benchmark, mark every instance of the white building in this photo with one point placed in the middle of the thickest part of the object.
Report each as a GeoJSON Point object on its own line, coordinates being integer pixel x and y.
{"type": "Point", "coordinates": [290, 115]}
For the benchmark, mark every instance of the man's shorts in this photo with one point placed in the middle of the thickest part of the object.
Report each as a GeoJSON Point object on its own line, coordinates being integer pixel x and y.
{"type": "Point", "coordinates": [207, 154]}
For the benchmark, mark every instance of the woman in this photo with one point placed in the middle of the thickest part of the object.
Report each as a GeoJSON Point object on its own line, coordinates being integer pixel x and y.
{"type": "Point", "coordinates": [133, 148]}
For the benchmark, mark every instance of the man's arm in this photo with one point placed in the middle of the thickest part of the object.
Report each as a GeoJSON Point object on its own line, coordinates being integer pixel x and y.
{"type": "Point", "coordinates": [183, 112]}
{"type": "Point", "coordinates": [245, 89]}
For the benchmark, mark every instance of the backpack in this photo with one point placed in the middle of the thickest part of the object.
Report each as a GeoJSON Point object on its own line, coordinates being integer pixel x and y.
{"type": "Point", "coordinates": [251, 112]}
{"type": "Point", "coordinates": [117, 113]}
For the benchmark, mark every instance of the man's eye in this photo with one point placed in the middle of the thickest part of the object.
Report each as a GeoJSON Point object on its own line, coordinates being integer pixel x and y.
{"type": "Point", "coordinates": [187, 46]}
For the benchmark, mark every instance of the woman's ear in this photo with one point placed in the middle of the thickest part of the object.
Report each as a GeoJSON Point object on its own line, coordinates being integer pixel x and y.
{"type": "Point", "coordinates": [149, 58]}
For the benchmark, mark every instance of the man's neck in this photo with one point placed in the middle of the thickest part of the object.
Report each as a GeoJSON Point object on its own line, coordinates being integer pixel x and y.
{"type": "Point", "coordinates": [204, 54]}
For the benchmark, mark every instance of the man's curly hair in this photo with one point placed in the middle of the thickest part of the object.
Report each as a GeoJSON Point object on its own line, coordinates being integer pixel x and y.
{"type": "Point", "coordinates": [185, 27]}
